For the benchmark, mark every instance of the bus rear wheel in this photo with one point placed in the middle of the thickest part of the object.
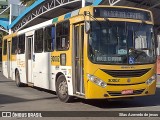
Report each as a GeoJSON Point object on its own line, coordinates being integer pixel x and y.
{"type": "Point", "coordinates": [62, 89]}
{"type": "Point", "coordinates": [17, 80]}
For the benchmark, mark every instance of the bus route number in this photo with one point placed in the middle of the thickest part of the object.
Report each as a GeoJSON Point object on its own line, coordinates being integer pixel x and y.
{"type": "Point", "coordinates": [55, 59]}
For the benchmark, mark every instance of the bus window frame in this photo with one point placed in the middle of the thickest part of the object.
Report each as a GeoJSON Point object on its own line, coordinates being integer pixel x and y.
{"type": "Point", "coordinates": [35, 51]}
{"type": "Point", "coordinates": [14, 52]}
{"type": "Point", "coordinates": [5, 48]}
{"type": "Point", "coordinates": [19, 49]}
{"type": "Point", "coordinates": [52, 42]}
{"type": "Point", "coordinates": [60, 36]}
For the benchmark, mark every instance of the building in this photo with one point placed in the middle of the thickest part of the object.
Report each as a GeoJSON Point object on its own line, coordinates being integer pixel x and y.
{"type": "Point", "coordinates": [3, 6]}
{"type": "Point", "coordinates": [5, 16]}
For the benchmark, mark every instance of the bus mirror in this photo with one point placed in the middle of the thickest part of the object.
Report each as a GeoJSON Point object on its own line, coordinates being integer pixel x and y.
{"type": "Point", "coordinates": [87, 27]}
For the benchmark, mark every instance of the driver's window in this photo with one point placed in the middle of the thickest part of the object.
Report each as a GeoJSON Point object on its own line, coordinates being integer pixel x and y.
{"type": "Point", "coordinates": [122, 41]}
{"type": "Point", "coordinates": [112, 35]}
{"type": "Point", "coordinates": [140, 39]}
{"type": "Point", "coordinates": [92, 38]}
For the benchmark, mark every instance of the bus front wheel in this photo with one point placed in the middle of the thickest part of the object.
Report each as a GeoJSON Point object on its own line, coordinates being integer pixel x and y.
{"type": "Point", "coordinates": [18, 81]}
{"type": "Point", "coordinates": [62, 89]}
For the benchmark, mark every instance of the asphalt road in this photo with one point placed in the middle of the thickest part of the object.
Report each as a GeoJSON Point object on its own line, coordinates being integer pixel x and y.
{"type": "Point", "coordinates": [13, 98]}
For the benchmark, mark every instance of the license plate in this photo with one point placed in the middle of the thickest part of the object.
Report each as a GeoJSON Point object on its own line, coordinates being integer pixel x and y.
{"type": "Point", "coordinates": [127, 92]}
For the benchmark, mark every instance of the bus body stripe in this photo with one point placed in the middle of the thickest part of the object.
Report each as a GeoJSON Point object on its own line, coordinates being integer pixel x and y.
{"type": "Point", "coordinates": [55, 20]}
{"type": "Point", "coordinates": [74, 13]}
{"type": "Point", "coordinates": [68, 15]}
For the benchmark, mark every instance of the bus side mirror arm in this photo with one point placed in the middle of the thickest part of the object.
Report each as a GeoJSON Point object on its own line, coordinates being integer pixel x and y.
{"type": "Point", "coordinates": [87, 27]}
{"type": "Point", "coordinates": [87, 23]}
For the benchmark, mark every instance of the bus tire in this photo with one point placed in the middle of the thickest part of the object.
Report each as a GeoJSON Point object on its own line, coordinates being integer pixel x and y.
{"type": "Point", "coordinates": [17, 80]}
{"type": "Point", "coordinates": [62, 89]}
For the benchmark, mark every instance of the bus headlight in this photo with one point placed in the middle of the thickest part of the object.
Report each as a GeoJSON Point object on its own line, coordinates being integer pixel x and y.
{"type": "Point", "coordinates": [150, 80]}
{"type": "Point", "coordinates": [96, 80]}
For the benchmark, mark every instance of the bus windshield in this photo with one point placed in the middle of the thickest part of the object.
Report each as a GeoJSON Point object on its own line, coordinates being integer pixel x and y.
{"type": "Point", "coordinates": [121, 43]}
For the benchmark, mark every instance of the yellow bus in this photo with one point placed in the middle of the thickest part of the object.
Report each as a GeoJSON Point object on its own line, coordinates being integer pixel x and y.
{"type": "Point", "coordinates": [95, 52]}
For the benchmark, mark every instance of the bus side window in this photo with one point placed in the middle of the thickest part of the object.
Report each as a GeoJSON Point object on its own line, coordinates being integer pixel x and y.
{"type": "Point", "coordinates": [14, 45]}
{"type": "Point", "coordinates": [49, 38]}
{"type": "Point", "coordinates": [21, 44]}
{"type": "Point", "coordinates": [38, 42]}
{"type": "Point", "coordinates": [5, 47]}
{"type": "Point", "coordinates": [53, 34]}
{"type": "Point", "coordinates": [62, 35]}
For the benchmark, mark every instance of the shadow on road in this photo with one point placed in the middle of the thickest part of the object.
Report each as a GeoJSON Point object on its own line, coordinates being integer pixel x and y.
{"type": "Point", "coordinates": [44, 90]}
{"type": "Point", "coordinates": [6, 99]}
{"type": "Point", "coordinates": [143, 101]}
{"type": "Point", "coordinates": [6, 81]}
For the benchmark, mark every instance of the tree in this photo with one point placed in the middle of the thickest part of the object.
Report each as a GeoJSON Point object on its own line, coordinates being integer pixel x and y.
{"type": "Point", "coordinates": [27, 2]}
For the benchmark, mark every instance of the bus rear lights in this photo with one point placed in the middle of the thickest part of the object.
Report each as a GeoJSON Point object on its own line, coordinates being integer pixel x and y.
{"type": "Point", "coordinates": [151, 80]}
{"type": "Point", "coordinates": [97, 81]}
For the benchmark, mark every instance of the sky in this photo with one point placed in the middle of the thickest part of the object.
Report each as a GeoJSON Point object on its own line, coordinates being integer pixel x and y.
{"type": "Point", "coordinates": [11, 1]}
{"type": "Point", "coordinates": [14, 1]}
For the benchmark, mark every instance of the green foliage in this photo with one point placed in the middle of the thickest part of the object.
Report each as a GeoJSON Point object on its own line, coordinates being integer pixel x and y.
{"type": "Point", "coordinates": [2, 34]}
{"type": "Point", "coordinates": [27, 2]}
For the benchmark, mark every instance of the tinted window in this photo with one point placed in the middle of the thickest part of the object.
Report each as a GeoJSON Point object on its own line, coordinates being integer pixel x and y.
{"type": "Point", "coordinates": [38, 42]}
{"type": "Point", "coordinates": [21, 44]}
{"type": "Point", "coordinates": [14, 45]}
{"type": "Point", "coordinates": [121, 43]}
{"type": "Point", "coordinates": [49, 38]}
{"type": "Point", "coordinates": [4, 47]}
{"type": "Point", "coordinates": [62, 35]}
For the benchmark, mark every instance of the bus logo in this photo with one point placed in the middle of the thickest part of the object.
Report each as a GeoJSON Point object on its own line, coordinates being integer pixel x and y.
{"type": "Point", "coordinates": [129, 80]}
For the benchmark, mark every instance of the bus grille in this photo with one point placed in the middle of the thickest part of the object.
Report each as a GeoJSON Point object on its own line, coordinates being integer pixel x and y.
{"type": "Point", "coordinates": [126, 73]}
{"type": "Point", "coordinates": [125, 84]}
{"type": "Point", "coordinates": [118, 93]}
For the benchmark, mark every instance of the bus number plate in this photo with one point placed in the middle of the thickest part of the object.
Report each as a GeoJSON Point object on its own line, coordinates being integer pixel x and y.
{"type": "Point", "coordinates": [127, 92]}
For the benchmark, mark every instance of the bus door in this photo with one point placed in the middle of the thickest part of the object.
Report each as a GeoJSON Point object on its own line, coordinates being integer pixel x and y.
{"type": "Point", "coordinates": [9, 58]}
{"type": "Point", "coordinates": [29, 58]}
{"type": "Point", "coordinates": [78, 52]}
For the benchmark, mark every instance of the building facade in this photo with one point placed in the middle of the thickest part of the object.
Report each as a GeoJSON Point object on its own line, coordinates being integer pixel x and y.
{"type": "Point", "coordinates": [3, 6]}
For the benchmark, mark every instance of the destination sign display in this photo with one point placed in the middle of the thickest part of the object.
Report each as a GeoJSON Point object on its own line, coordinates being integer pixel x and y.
{"type": "Point", "coordinates": [122, 13]}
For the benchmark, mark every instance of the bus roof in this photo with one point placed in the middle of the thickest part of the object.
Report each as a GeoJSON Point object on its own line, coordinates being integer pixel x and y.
{"type": "Point", "coordinates": [65, 17]}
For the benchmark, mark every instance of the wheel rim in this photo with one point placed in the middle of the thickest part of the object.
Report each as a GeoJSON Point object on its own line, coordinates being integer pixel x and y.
{"type": "Point", "coordinates": [63, 89]}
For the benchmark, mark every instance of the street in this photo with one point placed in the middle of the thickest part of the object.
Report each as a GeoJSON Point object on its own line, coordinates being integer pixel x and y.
{"type": "Point", "coordinates": [86, 48]}
{"type": "Point", "coordinates": [13, 98]}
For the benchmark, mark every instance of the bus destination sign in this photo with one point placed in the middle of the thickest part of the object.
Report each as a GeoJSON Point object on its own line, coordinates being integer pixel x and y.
{"type": "Point", "coordinates": [122, 13]}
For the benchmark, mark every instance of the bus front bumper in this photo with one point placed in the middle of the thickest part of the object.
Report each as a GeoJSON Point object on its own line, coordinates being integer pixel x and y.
{"type": "Point", "coordinates": [119, 91]}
